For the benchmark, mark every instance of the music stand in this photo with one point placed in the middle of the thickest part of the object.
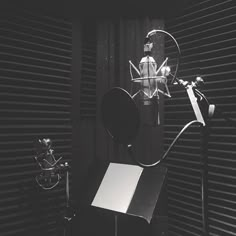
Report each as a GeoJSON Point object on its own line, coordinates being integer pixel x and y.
{"type": "Point", "coordinates": [130, 191]}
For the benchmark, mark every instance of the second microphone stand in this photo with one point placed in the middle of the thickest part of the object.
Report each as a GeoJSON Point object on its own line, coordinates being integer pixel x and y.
{"type": "Point", "coordinates": [68, 212]}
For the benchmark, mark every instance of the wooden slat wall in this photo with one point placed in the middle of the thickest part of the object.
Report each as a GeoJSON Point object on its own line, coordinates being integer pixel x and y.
{"type": "Point", "coordinates": [206, 34]}
{"type": "Point", "coordinates": [35, 98]}
{"type": "Point", "coordinates": [88, 79]}
{"type": "Point", "coordinates": [84, 101]}
{"type": "Point", "coordinates": [119, 41]}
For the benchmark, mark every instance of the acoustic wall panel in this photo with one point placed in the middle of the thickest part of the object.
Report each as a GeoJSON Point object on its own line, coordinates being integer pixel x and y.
{"type": "Point", "coordinates": [88, 99]}
{"type": "Point", "coordinates": [206, 35]}
{"type": "Point", "coordinates": [35, 98]}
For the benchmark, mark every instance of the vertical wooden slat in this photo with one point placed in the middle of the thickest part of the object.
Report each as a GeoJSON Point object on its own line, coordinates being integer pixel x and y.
{"type": "Point", "coordinates": [88, 67]}
{"type": "Point", "coordinates": [103, 81]}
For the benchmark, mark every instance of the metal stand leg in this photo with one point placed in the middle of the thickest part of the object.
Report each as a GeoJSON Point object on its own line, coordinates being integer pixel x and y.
{"type": "Point", "coordinates": [204, 179]}
{"type": "Point", "coordinates": [68, 211]}
{"type": "Point", "coordinates": [116, 225]}
{"type": "Point", "coordinates": [67, 186]}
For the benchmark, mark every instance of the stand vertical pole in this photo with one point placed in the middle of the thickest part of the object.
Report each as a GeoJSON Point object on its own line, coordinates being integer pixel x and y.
{"type": "Point", "coordinates": [67, 216]}
{"type": "Point", "coordinates": [116, 225]}
{"type": "Point", "coordinates": [204, 178]}
{"type": "Point", "coordinates": [67, 186]}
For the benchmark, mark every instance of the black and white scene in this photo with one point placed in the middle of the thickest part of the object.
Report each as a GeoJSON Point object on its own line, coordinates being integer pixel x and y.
{"type": "Point", "coordinates": [117, 118]}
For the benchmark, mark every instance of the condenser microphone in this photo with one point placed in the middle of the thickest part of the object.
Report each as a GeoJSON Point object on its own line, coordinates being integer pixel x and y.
{"type": "Point", "coordinates": [49, 175]}
{"type": "Point", "coordinates": [153, 82]}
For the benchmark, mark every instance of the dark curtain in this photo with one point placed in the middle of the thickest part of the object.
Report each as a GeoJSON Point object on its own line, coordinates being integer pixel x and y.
{"type": "Point", "coordinates": [119, 41]}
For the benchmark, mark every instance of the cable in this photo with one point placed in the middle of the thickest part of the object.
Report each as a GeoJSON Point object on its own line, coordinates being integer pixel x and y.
{"type": "Point", "coordinates": [151, 33]}
{"type": "Point", "coordinates": [130, 152]}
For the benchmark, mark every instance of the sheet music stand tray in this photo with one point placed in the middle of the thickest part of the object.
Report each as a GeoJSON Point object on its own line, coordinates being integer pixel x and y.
{"type": "Point", "coordinates": [130, 191]}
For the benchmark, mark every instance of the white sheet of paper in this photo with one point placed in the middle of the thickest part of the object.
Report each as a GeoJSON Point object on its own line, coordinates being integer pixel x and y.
{"type": "Point", "coordinates": [117, 187]}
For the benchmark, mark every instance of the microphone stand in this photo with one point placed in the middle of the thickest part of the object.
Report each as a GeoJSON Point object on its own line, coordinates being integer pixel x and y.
{"type": "Point", "coordinates": [51, 169]}
{"type": "Point", "coordinates": [69, 213]}
{"type": "Point", "coordinates": [192, 91]}
{"type": "Point", "coordinates": [204, 133]}
{"type": "Point", "coordinates": [204, 156]}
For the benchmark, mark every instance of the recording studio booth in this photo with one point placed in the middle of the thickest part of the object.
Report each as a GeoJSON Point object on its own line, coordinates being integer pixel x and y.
{"type": "Point", "coordinates": [117, 118]}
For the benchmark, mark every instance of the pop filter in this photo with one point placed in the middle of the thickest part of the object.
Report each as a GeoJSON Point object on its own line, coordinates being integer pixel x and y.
{"type": "Point", "coordinates": [120, 115]}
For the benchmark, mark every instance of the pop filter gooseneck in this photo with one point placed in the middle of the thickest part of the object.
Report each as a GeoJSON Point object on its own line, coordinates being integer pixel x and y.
{"type": "Point", "coordinates": [121, 118]}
